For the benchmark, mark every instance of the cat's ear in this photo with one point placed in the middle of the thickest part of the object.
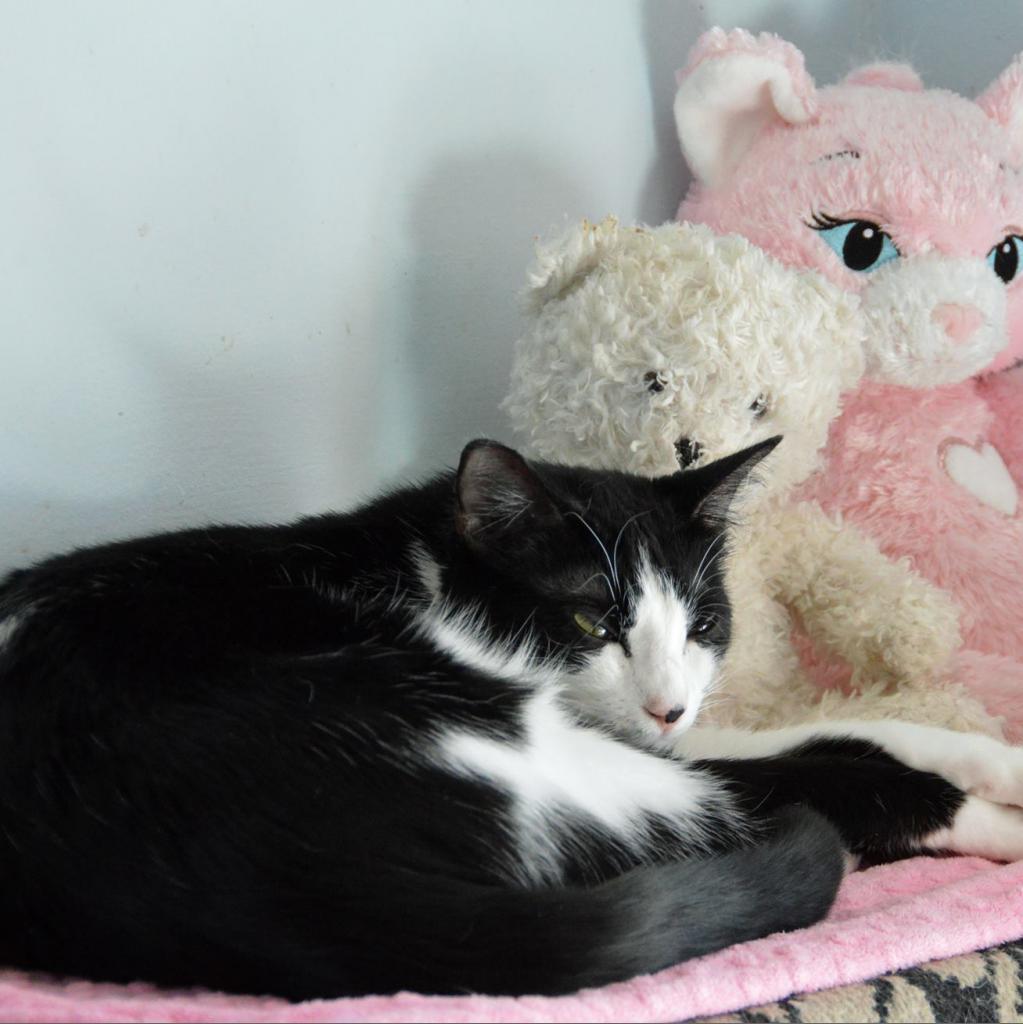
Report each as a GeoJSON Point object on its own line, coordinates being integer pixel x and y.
{"type": "Point", "coordinates": [498, 495]}
{"type": "Point", "coordinates": [708, 493]}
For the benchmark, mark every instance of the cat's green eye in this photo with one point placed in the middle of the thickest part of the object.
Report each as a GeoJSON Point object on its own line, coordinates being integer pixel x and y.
{"type": "Point", "coordinates": [703, 625]}
{"type": "Point", "coordinates": [591, 628]}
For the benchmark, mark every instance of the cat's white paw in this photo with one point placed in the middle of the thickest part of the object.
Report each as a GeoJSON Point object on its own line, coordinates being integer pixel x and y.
{"type": "Point", "coordinates": [982, 829]}
{"type": "Point", "coordinates": [986, 768]}
{"type": "Point", "coordinates": [977, 764]}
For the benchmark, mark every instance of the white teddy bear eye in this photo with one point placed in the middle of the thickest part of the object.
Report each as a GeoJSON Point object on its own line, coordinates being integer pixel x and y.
{"type": "Point", "coordinates": [759, 406]}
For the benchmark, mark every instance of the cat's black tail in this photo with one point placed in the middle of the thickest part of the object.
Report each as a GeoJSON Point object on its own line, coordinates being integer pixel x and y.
{"type": "Point", "coordinates": [461, 938]}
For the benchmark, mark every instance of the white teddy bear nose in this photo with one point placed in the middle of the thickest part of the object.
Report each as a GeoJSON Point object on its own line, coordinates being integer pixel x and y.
{"type": "Point", "coordinates": [958, 321]}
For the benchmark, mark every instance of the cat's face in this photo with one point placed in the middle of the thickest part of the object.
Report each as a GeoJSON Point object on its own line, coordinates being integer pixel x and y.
{"type": "Point", "coordinates": [617, 580]}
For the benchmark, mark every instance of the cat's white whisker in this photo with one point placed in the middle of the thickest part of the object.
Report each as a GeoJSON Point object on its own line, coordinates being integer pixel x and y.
{"type": "Point", "coordinates": [614, 551]}
{"type": "Point", "coordinates": [705, 563]}
{"type": "Point", "coordinates": [607, 557]}
{"type": "Point", "coordinates": [600, 576]}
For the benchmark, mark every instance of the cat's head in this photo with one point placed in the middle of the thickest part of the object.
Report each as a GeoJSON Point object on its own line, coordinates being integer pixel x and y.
{"type": "Point", "coordinates": [610, 586]}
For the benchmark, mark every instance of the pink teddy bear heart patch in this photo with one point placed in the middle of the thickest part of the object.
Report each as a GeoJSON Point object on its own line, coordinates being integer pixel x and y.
{"type": "Point", "coordinates": [980, 470]}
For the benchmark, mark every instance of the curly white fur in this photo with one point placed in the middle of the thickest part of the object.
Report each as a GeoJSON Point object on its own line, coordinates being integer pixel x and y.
{"type": "Point", "coordinates": [640, 337]}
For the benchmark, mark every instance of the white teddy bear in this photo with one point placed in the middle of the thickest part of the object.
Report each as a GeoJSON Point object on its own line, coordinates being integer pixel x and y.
{"type": "Point", "coordinates": [651, 348]}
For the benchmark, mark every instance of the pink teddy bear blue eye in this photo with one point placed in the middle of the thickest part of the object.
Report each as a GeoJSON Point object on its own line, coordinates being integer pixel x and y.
{"type": "Point", "coordinates": [860, 244]}
{"type": "Point", "coordinates": [1004, 258]}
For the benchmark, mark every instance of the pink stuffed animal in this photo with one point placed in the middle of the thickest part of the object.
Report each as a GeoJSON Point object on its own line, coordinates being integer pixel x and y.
{"type": "Point", "coordinates": [912, 198]}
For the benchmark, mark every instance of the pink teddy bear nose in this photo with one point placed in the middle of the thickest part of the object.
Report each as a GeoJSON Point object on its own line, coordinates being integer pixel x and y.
{"type": "Point", "coordinates": [958, 321]}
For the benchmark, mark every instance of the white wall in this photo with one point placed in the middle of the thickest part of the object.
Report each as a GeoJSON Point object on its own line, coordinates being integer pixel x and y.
{"type": "Point", "coordinates": [257, 258]}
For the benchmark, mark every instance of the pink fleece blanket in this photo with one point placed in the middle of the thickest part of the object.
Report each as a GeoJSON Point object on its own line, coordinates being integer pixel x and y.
{"type": "Point", "coordinates": [886, 918]}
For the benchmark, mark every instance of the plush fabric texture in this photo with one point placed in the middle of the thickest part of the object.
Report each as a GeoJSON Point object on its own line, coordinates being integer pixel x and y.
{"type": "Point", "coordinates": [953, 534]}
{"type": "Point", "coordinates": [640, 337]}
{"type": "Point", "coordinates": [1000, 392]}
{"type": "Point", "coordinates": [885, 919]}
{"type": "Point", "coordinates": [926, 459]}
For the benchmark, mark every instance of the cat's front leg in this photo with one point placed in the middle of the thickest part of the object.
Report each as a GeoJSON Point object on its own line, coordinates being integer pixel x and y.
{"type": "Point", "coordinates": [977, 764]}
{"type": "Point", "coordinates": [880, 807]}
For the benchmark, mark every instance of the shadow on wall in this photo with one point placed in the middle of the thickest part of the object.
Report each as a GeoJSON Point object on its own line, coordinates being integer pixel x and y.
{"type": "Point", "coordinates": [669, 31]}
{"type": "Point", "coordinates": [39, 525]}
{"type": "Point", "coordinates": [192, 437]}
{"type": "Point", "coordinates": [470, 252]}
{"type": "Point", "coordinates": [953, 45]}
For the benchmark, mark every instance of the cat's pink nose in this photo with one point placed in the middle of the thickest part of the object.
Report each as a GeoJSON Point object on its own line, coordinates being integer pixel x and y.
{"type": "Point", "coordinates": [665, 715]}
{"type": "Point", "coordinates": [958, 322]}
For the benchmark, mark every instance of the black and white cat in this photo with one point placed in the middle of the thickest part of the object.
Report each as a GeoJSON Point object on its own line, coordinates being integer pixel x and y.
{"type": "Point", "coordinates": [442, 742]}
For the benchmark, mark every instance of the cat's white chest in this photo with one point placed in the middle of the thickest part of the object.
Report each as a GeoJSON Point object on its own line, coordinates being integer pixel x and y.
{"type": "Point", "coordinates": [562, 770]}
{"type": "Point", "coordinates": [581, 769]}
{"type": "Point", "coordinates": [980, 471]}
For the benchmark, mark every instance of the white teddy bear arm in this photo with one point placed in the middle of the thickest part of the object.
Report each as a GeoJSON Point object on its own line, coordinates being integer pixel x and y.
{"type": "Point", "coordinates": [888, 623]}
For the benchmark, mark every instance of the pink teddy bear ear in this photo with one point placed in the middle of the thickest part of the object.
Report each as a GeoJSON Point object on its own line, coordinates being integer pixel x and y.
{"type": "Point", "coordinates": [1002, 101]}
{"type": "Point", "coordinates": [890, 76]}
{"type": "Point", "coordinates": [733, 87]}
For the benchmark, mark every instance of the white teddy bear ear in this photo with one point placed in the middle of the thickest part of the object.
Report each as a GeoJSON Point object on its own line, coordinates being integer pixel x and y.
{"type": "Point", "coordinates": [559, 264]}
{"type": "Point", "coordinates": [886, 74]}
{"type": "Point", "coordinates": [1002, 101]}
{"type": "Point", "coordinates": [733, 87]}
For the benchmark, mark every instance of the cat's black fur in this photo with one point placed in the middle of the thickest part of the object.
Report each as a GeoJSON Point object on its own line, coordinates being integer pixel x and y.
{"type": "Point", "coordinates": [212, 768]}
